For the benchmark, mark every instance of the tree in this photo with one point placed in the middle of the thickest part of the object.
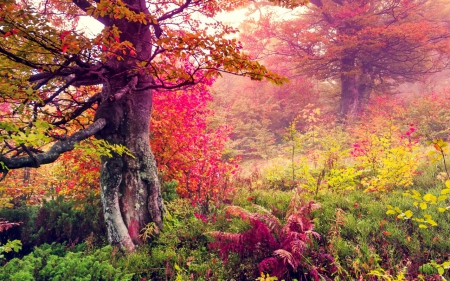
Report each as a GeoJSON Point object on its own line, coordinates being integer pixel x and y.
{"type": "Point", "coordinates": [367, 46]}
{"type": "Point", "coordinates": [48, 72]}
{"type": "Point", "coordinates": [189, 148]}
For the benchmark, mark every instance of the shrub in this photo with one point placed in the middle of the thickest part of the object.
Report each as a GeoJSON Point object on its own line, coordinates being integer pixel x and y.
{"type": "Point", "coordinates": [56, 221]}
{"type": "Point", "coordinates": [180, 252]}
{"type": "Point", "coordinates": [43, 264]}
{"type": "Point", "coordinates": [362, 237]}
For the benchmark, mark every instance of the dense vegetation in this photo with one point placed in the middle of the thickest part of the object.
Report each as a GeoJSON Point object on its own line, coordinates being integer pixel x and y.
{"type": "Point", "coordinates": [342, 173]}
{"type": "Point", "coordinates": [367, 201]}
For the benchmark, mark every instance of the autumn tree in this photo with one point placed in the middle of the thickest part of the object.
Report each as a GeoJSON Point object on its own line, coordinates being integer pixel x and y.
{"type": "Point", "coordinates": [365, 46]}
{"type": "Point", "coordinates": [48, 70]}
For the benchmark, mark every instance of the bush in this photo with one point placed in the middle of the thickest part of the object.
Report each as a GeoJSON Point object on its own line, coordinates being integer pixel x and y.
{"type": "Point", "coordinates": [24, 232]}
{"type": "Point", "coordinates": [56, 221]}
{"type": "Point", "coordinates": [65, 221]}
{"type": "Point", "coordinates": [44, 264]}
{"type": "Point", "coordinates": [180, 252]}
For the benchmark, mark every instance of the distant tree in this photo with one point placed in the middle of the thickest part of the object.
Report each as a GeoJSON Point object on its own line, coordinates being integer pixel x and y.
{"type": "Point", "coordinates": [260, 112]}
{"type": "Point", "coordinates": [366, 45]}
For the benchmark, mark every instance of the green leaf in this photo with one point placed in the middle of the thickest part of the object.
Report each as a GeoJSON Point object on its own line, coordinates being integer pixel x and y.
{"type": "Point", "coordinates": [441, 271]}
{"type": "Point", "coordinates": [177, 268]}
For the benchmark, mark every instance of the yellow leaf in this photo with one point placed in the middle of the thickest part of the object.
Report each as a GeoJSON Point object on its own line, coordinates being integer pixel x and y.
{"type": "Point", "coordinates": [408, 213]}
{"type": "Point", "coordinates": [432, 222]}
{"type": "Point", "coordinates": [447, 184]}
{"type": "Point", "coordinates": [442, 210]}
{"type": "Point", "coordinates": [415, 192]}
{"type": "Point", "coordinates": [442, 198]}
{"type": "Point", "coordinates": [445, 191]}
{"type": "Point", "coordinates": [423, 206]}
{"type": "Point", "coordinates": [422, 226]}
{"type": "Point", "coordinates": [429, 197]}
{"type": "Point", "coordinates": [390, 212]}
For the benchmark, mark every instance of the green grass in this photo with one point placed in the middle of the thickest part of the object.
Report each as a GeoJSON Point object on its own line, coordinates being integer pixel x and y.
{"type": "Point", "coordinates": [353, 226]}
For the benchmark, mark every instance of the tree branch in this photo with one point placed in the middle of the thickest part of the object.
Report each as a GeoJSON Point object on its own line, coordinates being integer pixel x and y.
{"type": "Point", "coordinates": [55, 151]}
{"type": "Point", "coordinates": [122, 92]}
{"type": "Point", "coordinates": [18, 59]}
{"type": "Point", "coordinates": [85, 5]}
{"type": "Point", "coordinates": [175, 11]}
{"type": "Point", "coordinates": [77, 112]}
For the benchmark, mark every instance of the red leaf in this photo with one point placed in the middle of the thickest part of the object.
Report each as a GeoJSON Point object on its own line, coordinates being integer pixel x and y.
{"type": "Point", "coordinates": [7, 34]}
{"type": "Point", "coordinates": [64, 34]}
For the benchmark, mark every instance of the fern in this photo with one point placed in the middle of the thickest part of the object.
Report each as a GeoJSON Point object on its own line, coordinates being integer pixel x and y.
{"type": "Point", "coordinates": [280, 250]}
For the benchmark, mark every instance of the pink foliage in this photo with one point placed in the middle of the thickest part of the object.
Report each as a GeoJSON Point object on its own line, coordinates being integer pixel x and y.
{"type": "Point", "coordinates": [187, 147]}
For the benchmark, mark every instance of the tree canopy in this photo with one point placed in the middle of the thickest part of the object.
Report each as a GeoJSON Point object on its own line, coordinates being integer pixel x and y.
{"type": "Point", "coordinates": [367, 46]}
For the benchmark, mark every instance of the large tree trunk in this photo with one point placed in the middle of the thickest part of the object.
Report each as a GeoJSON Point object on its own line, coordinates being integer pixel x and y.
{"type": "Point", "coordinates": [351, 102]}
{"type": "Point", "coordinates": [130, 189]}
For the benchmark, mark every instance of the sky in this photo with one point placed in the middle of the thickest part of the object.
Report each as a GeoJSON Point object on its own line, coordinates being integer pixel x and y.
{"type": "Point", "coordinates": [92, 26]}
{"type": "Point", "coordinates": [234, 18]}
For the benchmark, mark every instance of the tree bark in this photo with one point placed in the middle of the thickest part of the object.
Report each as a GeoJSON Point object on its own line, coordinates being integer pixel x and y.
{"type": "Point", "coordinates": [350, 103]}
{"type": "Point", "coordinates": [130, 189]}
{"type": "Point", "coordinates": [129, 185]}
